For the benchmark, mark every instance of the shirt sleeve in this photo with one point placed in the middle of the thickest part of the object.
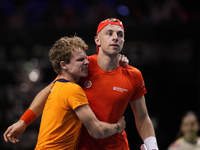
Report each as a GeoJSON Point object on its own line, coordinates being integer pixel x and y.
{"type": "Point", "coordinates": [139, 84]}
{"type": "Point", "coordinates": [77, 97]}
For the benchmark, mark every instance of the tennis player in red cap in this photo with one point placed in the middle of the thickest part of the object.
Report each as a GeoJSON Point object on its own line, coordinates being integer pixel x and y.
{"type": "Point", "coordinates": [109, 88]}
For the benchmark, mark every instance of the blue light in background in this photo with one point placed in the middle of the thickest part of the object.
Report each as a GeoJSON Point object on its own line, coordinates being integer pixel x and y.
{"type": "Point", "coordinates": [123, 10]}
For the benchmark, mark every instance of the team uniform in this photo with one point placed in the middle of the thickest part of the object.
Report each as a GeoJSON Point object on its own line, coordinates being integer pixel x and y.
{"type": "Point", "coordinates": [108, 94]}
{"type": "Point", "coordinates": [182, 144]}
{"type": "Point", "coordinates": [60, 127]}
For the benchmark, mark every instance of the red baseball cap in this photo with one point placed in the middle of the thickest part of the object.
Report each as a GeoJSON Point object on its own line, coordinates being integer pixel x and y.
{"type": "Point", "coordinates": [109, 21]}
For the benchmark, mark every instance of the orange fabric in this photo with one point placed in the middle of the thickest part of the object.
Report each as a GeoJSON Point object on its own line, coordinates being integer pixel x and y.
{"type": "Point", "coordinates": [29, 116]}
{"type": "Point", "coordinates": [108, 94]}
{"type": "Point", "coordinates": [60, 127]}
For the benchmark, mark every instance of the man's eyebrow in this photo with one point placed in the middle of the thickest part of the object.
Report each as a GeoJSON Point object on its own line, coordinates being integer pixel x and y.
{"type": "Point", "coordinates": [120, 31]}
{"type": "Point", "coordinates": [109, 30]}
{"type": "Point", "coordinates": [113, 30]}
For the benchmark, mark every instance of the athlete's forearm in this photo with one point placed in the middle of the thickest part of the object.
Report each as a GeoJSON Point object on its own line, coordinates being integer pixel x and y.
{"type": "Point", "coordinates": [142, 120]}
{"type": "Point", "coordinates": [143, 123]}
{"type": "Point", "coordinates": [103, 130]}
{"type": "Point", "coordinates": [106, 129]}
{"type": "Point", "coordinates": [145, 128]}
{"type": "Point", "coordinates": [98, 129]}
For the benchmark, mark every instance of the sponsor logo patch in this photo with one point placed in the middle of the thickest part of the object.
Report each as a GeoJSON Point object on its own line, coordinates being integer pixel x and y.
{"type": "Point", "coordinates": [119, 89]}
{"type": "Point", "coordinates": [88, 84]}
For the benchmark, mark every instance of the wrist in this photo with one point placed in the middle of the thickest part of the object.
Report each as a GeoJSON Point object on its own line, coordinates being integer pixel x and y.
{"type": "Point", "coordinates": [151, 143]}
{"type": "Point", "coordinates": [28, 117]}
{"type": "Point", "coordinates": [117, 128]}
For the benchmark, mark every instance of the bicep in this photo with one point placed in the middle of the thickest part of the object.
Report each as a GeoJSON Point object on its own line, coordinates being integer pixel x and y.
{"type": "Point", "coordinates": [96, 128]}
{"type": "Point", "coordinates": [86, 115]}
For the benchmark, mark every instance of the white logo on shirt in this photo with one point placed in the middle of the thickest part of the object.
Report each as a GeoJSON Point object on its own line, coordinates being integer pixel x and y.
{"type": "Point", "coordinates": [143, 83]}
{"type": "Point", "coordinates": [88, 84]}
{"type": "Point", "coordinates": [119, 89]}
{"type": "Point", "coordinates": [52, 88]}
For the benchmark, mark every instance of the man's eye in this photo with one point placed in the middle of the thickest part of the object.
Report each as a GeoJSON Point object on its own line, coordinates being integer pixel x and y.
{"type": "Point", "coordinates": [120, 35]}
{"type": "Point", "coordinates": [81, 59]}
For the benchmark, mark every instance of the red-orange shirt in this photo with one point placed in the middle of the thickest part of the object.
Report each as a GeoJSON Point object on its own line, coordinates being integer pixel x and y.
{"type": "Point", "coordinates": [108, 94]}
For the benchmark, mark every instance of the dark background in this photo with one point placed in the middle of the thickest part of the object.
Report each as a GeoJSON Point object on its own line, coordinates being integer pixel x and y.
{"type": "Point", "coordinates": [161, 39]}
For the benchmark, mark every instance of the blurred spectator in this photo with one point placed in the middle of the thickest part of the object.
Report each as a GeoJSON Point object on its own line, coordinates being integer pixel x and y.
{"type": "Point", "coordinates": [187, 138]}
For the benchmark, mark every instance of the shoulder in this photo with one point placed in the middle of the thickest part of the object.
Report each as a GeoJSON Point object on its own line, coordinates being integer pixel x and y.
{"type": "Point", "coordinates": [92, 57]}
{"type": "Point", "coordinates": [132, 71]}
{"type": "Point", "coordinates": [131, 68]}
{"type": "Point", "coordinates": [74, 86]}
{"type": "Point", "coordinates": [71, 87]}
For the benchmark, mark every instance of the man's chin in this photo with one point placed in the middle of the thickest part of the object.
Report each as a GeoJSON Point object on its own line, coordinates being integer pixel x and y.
{"type": "Point", "coordinates": [117, 50]}
{"type": "Point", "coordinates": [85, 75]}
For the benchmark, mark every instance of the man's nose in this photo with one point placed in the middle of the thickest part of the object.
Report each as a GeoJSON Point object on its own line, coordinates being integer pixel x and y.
{"type": "Point", "coordinates": [86, 61]}
{"type": "Point", "coordinates": [115, 36]}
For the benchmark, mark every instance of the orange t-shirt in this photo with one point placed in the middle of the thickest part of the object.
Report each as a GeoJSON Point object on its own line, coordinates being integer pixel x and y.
{"type": "Point", "coordinates": [108, 94]}
{"type": "Point", "coordinates": [60, 127]}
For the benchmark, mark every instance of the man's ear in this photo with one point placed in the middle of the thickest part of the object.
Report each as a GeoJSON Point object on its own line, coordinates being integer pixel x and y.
{"type": "Point", "coordinates": [63, 65]}
{"type": "Point", "coordinates": [97, 40]}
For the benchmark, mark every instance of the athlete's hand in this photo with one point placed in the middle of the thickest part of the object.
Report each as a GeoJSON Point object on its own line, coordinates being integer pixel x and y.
{"type": "Point", "coordinates": [122, 124]}
{"type": "Point", "coordinates": [123, 60]}
{"type": "Point", "coordinates": [14, 131]}
{"type": "Point", "coordinates": [143, 147]}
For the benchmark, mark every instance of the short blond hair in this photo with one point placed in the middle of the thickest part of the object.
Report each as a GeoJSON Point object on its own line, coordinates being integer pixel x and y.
{"type": "Point", "coordinates": [61, 50]}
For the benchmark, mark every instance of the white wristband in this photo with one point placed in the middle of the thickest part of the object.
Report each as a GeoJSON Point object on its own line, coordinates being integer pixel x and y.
{"type": "Point", "coordinates": [151, 143]}
{"type": "Point", "coordinates": [143, 147]}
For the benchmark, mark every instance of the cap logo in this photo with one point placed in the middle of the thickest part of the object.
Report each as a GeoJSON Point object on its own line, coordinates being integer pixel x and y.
{"type": "Point", "coordinates": [113, 20]}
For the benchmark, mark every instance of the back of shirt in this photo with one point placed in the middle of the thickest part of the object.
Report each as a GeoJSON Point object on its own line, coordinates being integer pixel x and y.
{"type": "Point", "coordinates": [60, 127]}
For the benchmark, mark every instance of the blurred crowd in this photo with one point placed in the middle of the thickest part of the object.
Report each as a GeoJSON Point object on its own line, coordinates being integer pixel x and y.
{"type": "Point", "coordinates": [79, 13]}
{"type": "Point", "coordinates": [25, 68]}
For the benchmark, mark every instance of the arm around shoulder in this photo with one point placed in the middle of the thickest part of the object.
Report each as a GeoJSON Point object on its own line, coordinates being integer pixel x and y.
{"type": "Point", "coordinates": [98, 129]}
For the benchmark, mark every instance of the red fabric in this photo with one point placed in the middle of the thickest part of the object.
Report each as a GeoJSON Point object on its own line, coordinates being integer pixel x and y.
{"type": "Point", "coordinates": [108, 94]}
{"type": "Point", "coordinates": [29, 116]}
{"type": "Point", "coordinates": [107, 22]}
